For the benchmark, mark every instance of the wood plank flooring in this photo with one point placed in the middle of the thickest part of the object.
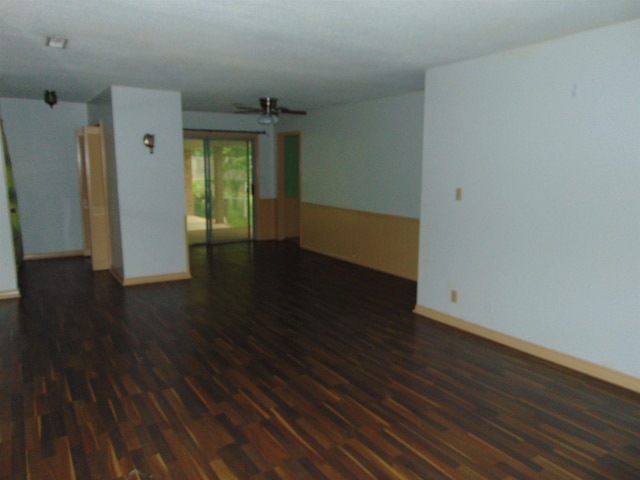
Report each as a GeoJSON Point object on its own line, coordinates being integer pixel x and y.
{"type": "Point", "coordinates": [276, 363]}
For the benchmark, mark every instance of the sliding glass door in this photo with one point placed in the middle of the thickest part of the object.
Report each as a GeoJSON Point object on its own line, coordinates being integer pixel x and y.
{"type": "Point", "coordinates": [219, 188]}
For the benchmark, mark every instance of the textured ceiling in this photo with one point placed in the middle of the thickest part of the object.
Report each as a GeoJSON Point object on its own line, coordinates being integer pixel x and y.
{"type": "Point", "coordinates": [308, 53]}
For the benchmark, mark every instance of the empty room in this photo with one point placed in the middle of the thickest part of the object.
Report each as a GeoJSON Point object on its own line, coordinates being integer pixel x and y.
{"type": "Point", "coordinates": [320, 239]}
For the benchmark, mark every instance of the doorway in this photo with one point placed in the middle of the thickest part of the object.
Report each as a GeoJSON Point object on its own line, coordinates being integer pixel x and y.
{"type": "Point", "coordinates": [94, 196]}
{"type": "Point", "coordinates": [219, 171]}
{"type": "Point", "coordinates": [288, 224]}
{"type": "Point", "coordinates": [13, 200]}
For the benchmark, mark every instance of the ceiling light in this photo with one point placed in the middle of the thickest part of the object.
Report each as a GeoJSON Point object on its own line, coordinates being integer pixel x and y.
{"type": "Point", "coordinates": [268, 119]}
{"type": "Point", "coordinates": [57, 42]}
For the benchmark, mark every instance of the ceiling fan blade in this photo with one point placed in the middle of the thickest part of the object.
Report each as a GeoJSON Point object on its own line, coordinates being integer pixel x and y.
{"type": "Point", "coordinates": [268, 107]}
{"type": "Point", "coordinates": [246, 109]}
{"type": "Point", "coordinates": [292, 112]}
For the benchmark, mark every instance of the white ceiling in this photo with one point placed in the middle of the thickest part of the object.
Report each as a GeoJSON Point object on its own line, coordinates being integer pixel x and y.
{"type": "Point", "coordinates": [309, 53]}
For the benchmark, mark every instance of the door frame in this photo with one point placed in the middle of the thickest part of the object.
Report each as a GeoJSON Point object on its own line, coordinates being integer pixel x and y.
{"type": "Point", "coordinates": [84, 194]}
{"type": "Point", "coordinates": [281, 209]}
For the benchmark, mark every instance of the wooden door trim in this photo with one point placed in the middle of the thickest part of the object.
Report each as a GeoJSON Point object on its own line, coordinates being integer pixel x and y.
{"type": "Point", "coordinates": [84, 195]}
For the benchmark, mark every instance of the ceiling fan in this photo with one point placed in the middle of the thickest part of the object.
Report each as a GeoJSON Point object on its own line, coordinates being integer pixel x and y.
{"type": "Point", "coordinates": [269, 111]}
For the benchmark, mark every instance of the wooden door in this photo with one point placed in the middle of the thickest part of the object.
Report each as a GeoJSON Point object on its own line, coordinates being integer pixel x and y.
{"type": "Point", "coordinates": [94, 197]}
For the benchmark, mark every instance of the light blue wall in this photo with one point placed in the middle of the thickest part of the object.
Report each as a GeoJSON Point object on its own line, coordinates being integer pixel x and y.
{"type": "Point", "coordinates": [545, 245]}
{"type": "Point", "coordinates": [363, 156]}
{"type": "Point", "coordinates": [151, 203]}
{"type": "Point", "coordinates": [266, 177]}
{"type": "Point", "coordinates": [44, 158]}
{"type": "Point", "coordinates": [45, 164]}
{"type": "Point", "coordinates": [8, 279]}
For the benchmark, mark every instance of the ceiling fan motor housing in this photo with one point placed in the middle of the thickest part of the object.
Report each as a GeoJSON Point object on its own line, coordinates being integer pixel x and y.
{"type": "Point", "coordinates": [269, 105]}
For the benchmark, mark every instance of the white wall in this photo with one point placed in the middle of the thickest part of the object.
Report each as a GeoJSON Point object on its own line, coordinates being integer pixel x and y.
{"type": "Point", "coordinates": [363, 156]}
{"type": "Point", "coordinates": [44, 158]}
{"type": "Point", "coordinates": [8, 279]}
{"type": "Point", "coordinates": [234, 122]}
{"type": "Point", "coordinates": [545, 245]}
{"type": "Point", "coordinates": [150, 186]}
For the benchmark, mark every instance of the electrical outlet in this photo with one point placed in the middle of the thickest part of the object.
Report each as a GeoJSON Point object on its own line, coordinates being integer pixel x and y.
{"type": "Point", "coordinates": [454, 296]}
{"type": "Point", "coordinates": [458, 194]}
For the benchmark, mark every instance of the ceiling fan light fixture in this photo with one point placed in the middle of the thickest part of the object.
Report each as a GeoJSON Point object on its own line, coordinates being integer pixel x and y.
{"type": "Point", "coordinates": [268, 112]}
{"type": "Point", "coordinates": [268, 119]}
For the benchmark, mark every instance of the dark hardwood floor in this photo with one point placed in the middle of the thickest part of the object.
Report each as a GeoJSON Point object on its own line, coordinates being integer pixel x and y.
{"type": "Point", "coordinates": [276, 363]}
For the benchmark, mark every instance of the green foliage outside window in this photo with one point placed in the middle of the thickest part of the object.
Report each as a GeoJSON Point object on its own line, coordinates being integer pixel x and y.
{"type": "Point", "coordinates": [236, 195]}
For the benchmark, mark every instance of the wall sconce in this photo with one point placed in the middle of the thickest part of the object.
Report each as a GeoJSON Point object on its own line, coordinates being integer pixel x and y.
{"type": "Point", "coordinates": [148, 141]}
{"type": "Point", "coordinates": [50, 97]}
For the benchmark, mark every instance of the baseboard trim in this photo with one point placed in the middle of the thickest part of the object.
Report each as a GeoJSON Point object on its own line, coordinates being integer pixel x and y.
{"type": "Point", "coordinates": [172, 277]}
{"type": "Point", "coordinates": [582, 366]}
{"type": "Point", "coordinates": [117, 276]}
{"type": "Point", "coordinates": [9, 294]}
{"type": "Point", "coordinates": [47, 256]}
{"type": "Point", "coordinates": [355, 261]}
{"type": "Point", "coordinates": [335, 255]}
